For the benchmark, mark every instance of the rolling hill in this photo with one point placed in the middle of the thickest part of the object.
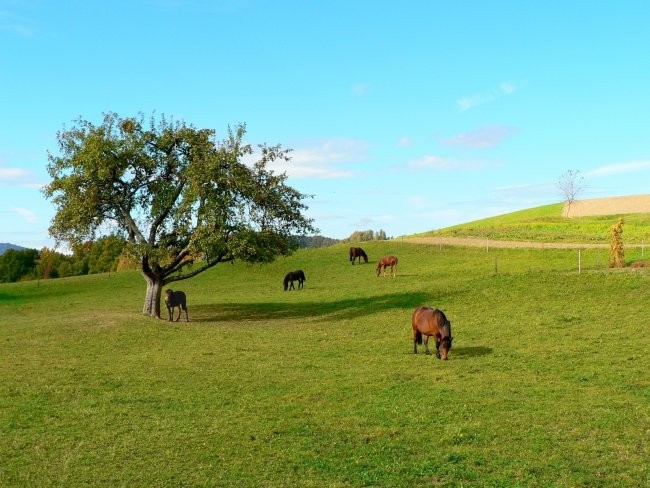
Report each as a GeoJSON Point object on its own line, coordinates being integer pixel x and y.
{"type": "Point", "coordinates": [590, 224]}
{"type": "Point", "coordinates": [4, 246]}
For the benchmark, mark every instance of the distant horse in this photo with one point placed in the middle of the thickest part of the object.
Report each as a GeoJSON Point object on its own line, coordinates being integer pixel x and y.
{"type": "Point", "coordinates": [385, 262]}
{"type": "Point", "coordinates": [357, 252]}
{"type": "Point", "coordinates": [292, 276]}
{"type": "Point", "coordinates": [428, 322]}
{"type": "Point", "coordinates": [175, 299]}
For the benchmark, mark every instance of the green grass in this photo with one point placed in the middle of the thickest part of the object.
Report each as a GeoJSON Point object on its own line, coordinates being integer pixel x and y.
{"type": "Point", "coordinates": [546, 224]}
{"type": "Point", "coordinates": [547, 382]}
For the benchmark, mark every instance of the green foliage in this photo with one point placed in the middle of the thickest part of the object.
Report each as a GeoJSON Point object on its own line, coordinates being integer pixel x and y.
{"type": "Point", "coordinates": [546, 384]}
{"type": "Point", "coordinates": [17, 265]}
{"type": "Point", "coordinates": [366, 235]}
{"type": "Point", "coordinates": [174, 192]}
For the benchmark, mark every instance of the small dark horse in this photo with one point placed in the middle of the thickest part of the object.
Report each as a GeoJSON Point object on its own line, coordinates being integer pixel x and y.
{"type": "Point", "coordinates": [428, 322]}
{"type": "Point", "coordinates": [385, 262]}
{"type": "Point", "coordinates": [357, 252]}
{"type": "Point", "coordinates": [292, 276]}
{"type": "Point", "coordinates": [175, 299]}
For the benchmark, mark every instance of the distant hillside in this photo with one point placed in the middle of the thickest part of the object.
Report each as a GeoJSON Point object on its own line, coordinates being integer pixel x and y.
{"type": "Point", "coordinates": [591, 224]}
{"type": "Point", "coordinates": [4, 246]}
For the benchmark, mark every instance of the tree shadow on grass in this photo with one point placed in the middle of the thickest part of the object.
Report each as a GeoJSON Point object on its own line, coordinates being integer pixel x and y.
{"type": "Point", "coordinates": [341, 309]}
{"type": "Point", "coordinates": [471, 351]}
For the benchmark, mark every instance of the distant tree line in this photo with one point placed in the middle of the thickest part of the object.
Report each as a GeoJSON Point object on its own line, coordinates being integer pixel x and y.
{"type": "Point", "coordinates": [356, 236]}
{"type": "Point", "coordinates": [99, 256]}
{"type": "Point", "coordinates": [106, 254]}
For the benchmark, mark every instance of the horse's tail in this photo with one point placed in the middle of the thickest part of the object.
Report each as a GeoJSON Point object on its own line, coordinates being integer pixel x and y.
{"type": "Point", "coordinates": [418, 337]}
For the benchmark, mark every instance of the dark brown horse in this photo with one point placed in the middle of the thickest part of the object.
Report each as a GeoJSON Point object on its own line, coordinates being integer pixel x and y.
{"type": "Point", "coordinates": [175, 299]}
{"type": "Point", "coordinates": [357, 252]}
{"type": "Point", "coordinates": [292, 276]}
{"type": "Point", "coordinates": [428, 322]}
{"type": "Point", "coordinates": [385, 262]}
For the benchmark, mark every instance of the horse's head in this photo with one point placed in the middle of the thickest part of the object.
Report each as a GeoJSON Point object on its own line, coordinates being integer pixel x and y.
{"type": "Point", "coordinates": [365, 256]}
{"type": "Point", "coordinates": [445, 341]}
{"type": "Point", "coordinates": [168, 295]}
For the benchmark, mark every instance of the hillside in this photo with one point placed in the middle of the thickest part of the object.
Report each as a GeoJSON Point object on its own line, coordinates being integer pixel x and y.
{"type": "Point", "coordinates": [590, 224]}
{"type": "Point", "coordinates": [5, 246]}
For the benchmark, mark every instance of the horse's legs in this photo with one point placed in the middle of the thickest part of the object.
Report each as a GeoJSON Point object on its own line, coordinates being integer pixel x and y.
{"type": "Point", "coordinates": [438, 347]}
{"type": "Point", "coordinates": [179, 314]}
{"type": "Point", "coordinates": [426, 345]}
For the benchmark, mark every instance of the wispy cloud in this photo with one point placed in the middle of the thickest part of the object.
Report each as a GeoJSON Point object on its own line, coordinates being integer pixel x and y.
{"type": "Point", "coordinates": [28, 215]}
{"type": "Point", "coordinates": [505, 88]}
{"type": "Point", "coordinates": [15, 25]}
{"type": "Point", "coordinates": [483, 138]}
{"type": "Point", "coordinates": [323, 160]}
{"type": "Point", "coordinates": [438, 163]}
{"type": "Point", "coordinates": [7, 174]}
{"type": "Point", "coordinates": [619, 168]}
{"type": "Point", "coordinates": [405, 142]}
{"type": "Point", "coordinates": [360, 89]}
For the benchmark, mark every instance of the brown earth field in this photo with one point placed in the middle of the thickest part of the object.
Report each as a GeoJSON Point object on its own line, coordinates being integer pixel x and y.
{"type": "Point", "coordinates": [579, 208]}
{"type": "Point", "coordinates": [610, 206]}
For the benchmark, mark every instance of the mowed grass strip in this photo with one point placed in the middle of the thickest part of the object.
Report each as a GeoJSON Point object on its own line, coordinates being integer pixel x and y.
{"type": "Point", "coordinates": [547, 382]}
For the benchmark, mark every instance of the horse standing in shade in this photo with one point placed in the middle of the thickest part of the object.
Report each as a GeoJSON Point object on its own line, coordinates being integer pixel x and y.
{"type": "Point", "coordinates": [385, 262]}
{"type": "Point", "coordinates": [175, 299]}
{"type": "Point", "coordinates": [357, 252]}
{"type": "Point", "coordinates": [292, 276]}
{"type": "Point", "coordinates": [428, 322]}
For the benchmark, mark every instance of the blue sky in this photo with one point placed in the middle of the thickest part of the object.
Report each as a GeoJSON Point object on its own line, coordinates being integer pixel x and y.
{"type": "Point", "coordinates": [402, 116]}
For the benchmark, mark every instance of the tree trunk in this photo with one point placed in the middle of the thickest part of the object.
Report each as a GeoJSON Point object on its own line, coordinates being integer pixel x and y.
{"type": "Point", "coordinates": [152, 298]}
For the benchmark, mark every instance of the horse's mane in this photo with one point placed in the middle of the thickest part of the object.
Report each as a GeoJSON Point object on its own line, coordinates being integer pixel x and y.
{"type": "Point", "coordinates": [445, 323]}
{"type": "Point", "coordinates": [444, 317]}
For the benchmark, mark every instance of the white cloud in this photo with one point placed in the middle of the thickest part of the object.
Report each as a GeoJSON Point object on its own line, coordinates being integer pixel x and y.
{"type": "Point", "coordinates": [28, 215]}
{"type": "Point", "coordinates": [405, 142]}
{"type": "Point", "coordinates": [323, 160]}
{"type": "Point", "coordinates": [483, 138]}
{"type": "Point", "coordinates": [448, 164]}
{"type": "Point", "coordinates": [619, 168]}
{"type": "Point", "coordinates": [360, 89]}
{"type": "Point", "coordinates": [505, 88]}
{"type": "Point", "coordinates": [15, 25]}
{"type": "Point", "coordinates": [12, 173]}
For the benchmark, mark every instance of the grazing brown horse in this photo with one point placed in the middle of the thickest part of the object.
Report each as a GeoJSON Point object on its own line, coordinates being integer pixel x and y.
{"type": "Point", "coordinates": [175, 299]}
{"type": "Point", "coordinates": [357, 252]}
{"type": "Point", "coordinates": [385, 262]}
{"type": "Point", "coordinates": [292, 276]}
{"type": "Point", "coordinates": [428, 322]}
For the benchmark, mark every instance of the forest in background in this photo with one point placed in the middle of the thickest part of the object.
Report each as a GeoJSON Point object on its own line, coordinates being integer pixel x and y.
{"type": "Point", "coordinates": [106, 254]}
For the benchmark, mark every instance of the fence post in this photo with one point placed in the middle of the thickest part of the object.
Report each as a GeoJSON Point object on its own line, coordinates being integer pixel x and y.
{"type": "Point", "coordinates": [579, 261]}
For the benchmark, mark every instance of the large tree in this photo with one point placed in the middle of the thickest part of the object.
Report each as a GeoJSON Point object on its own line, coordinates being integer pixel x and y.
{"type": "Point", "coordinates": [184, 201]}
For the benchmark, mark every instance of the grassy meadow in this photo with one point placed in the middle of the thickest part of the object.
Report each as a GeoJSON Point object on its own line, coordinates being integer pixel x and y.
{"type": "Point", "coordinates": [546, 224]}
{"type": "Point", "coordinates": [547, 384]}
